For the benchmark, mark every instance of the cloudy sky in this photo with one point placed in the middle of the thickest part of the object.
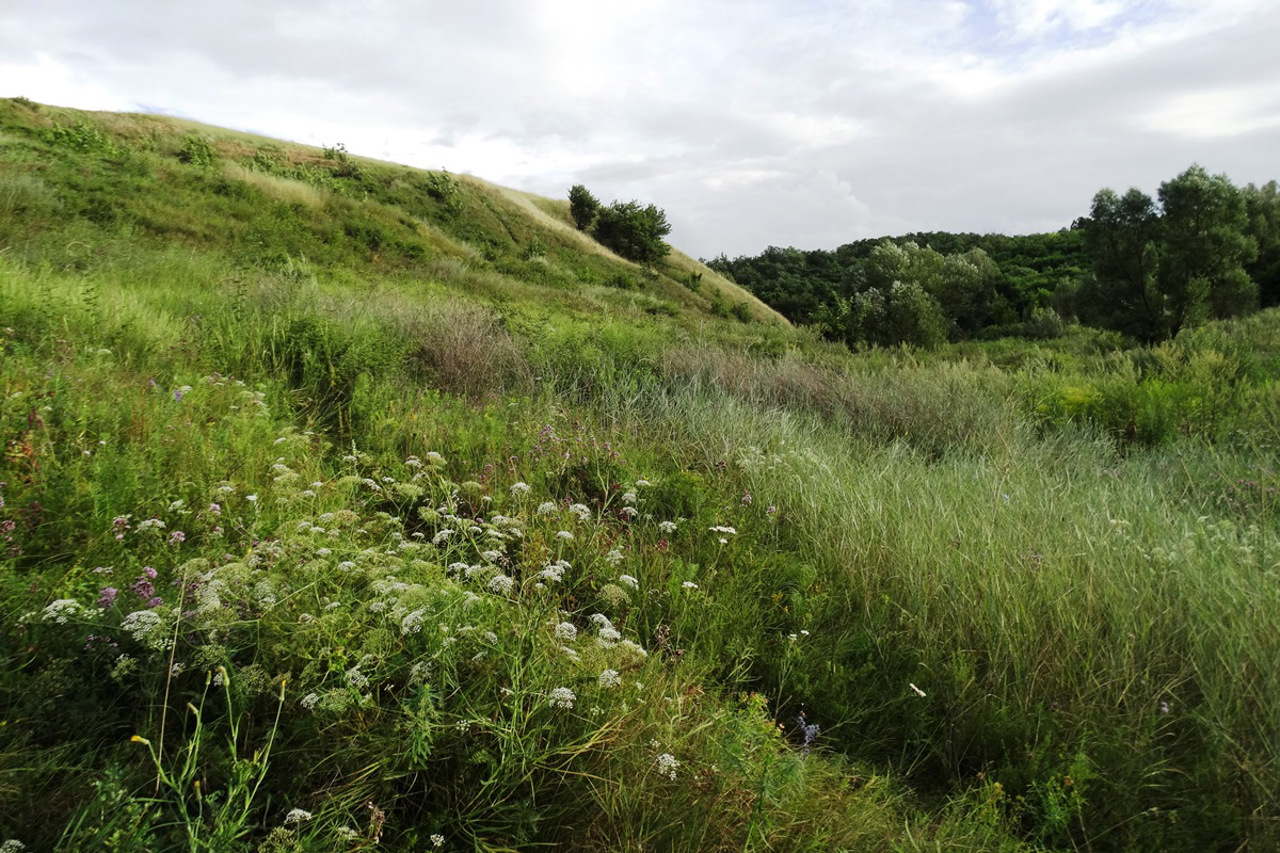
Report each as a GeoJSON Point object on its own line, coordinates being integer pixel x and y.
{"type": "Point", "coordinates": [751, 122]}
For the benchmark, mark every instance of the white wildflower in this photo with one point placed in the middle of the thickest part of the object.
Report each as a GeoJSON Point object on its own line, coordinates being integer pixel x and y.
{"type": "Point", "coordinates": [520, 488]}
{"type": "Point", "coordinates": [564, 534]}
{"type": "Point", "coordinates": [689, 585]}
{"type": "Point", "coordinates": [566, 632]}
{"type": "Point", "coordinates": [722, 529]}
{"type": "Point", "coordinates": [610, 678]}
{"type": "Point", "coordinates": [667, 526]}
{"type": "Point", "coordinates": [562, 697]}
{"type": "Point", "coordinates": [667, 765]}
{"type": "Point", "coordinates": [357, 679]}
{"type": "Point", "coordinates": [501, 584]}
{"type": "Point", "coordinates": [296, 816]}
{"type": "Point", "coordinates": [546, 508]}
{"type": "Point", "coordinates": [613, 557]}
{"type": "Point", "coordinates": [61, 610]}
{"type": "Point", "coordinates": [629, 497]}
{"type": "Point", "coordinates": [917, 691]}
{"type": "Point", "coordinates": [437, 840]}
{"type": "Point", "coordinates": [629, 581]}
{"type": "Point", "coordinates": [309, 701]}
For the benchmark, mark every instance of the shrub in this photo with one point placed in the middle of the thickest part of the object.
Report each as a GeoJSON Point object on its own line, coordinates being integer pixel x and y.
{"type": "Point", "coordinates": [196, 151]}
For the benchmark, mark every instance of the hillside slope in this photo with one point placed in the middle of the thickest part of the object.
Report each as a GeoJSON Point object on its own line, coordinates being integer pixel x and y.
{"type": "Point", "coordinates": [268, 202]}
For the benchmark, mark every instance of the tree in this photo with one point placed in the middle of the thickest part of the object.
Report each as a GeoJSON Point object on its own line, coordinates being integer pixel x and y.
{"type": "Point", "coordinates": [1122, 234]}
{"type": "Point", "coordinates": [1202, 267]}
{"type": "Point", "coordinates": [634, 232]}
{"type": "Point", "coordinates": [1156, 273]}
{"type": "Point", "coordinates": [583, 206]}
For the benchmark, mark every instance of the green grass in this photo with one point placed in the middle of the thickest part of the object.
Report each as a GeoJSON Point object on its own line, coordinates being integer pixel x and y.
{"type": "Point", "coordinates": [1026, 592]}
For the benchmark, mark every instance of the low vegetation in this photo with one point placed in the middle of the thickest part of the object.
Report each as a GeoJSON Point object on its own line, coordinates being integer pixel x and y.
{"type": "Point", "coordinates": [350, 507]}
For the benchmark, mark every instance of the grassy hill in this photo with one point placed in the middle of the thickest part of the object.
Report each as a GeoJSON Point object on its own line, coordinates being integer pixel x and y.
{"type": "Point", "coordinates": [348, 506]}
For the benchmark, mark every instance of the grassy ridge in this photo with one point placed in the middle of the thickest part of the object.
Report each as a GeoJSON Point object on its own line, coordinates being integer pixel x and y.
{"type": "Point", "coordinates": [502, 550]}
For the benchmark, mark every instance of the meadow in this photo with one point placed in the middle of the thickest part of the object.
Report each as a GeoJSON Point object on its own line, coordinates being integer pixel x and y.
{"type": "Point", "coordinates": [350, 507]}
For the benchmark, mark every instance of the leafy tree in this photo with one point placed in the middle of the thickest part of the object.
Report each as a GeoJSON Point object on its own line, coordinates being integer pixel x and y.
{"type": "Point", "coordinates": [583, 206]}
{"type": "Point", "coordinates": [634, 232]}
{"type": "Point", "coordinates": [886, 316]}
{"type": "Point", "coordinates": [1202, 267]}
{"type": "Point", "coordinates": [1122, 233]}
{"type": "Point", "coordinates": [1262, 205]}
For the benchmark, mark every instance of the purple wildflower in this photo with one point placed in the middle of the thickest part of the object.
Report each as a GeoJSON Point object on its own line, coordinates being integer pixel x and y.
{"type": "Point", "coordinates": [107, 597]}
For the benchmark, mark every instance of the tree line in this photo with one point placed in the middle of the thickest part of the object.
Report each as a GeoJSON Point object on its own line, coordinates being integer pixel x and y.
{"type": "Point", "coordinates": [1145, 267]}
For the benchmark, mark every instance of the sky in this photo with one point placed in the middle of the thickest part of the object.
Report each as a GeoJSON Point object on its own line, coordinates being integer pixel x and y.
{"type": "Point", "coordinates": [752, 123]}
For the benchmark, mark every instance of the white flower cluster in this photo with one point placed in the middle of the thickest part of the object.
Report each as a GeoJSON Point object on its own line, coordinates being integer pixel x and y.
{"type": "Point", "coordinates": [582, 511]}
{"type": "Point", "coordinates": [667, 526]}
{"type": "Point", "coordinates": [566, 632]}
{"type": "Point", "coordinates": [147, 627]}
{"type": "Point", "coordinates": [562, 697]}
{"type": "Point", "coordinates": [610, 679]}
{"type": "Point", "coordinates": [296, 816]}
{"type": "Point", "coordinates": [667, 765]}
{"type": "Point", "coordinates": [61, 610]}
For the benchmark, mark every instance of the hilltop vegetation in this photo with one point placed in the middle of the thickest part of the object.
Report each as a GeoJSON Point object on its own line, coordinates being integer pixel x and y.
{"type": "Point", "coordinates": [352, 507]}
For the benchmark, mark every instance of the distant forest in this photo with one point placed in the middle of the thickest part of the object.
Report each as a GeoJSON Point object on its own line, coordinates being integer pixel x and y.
{"type": "Point", "coordinates": [1202, 249]}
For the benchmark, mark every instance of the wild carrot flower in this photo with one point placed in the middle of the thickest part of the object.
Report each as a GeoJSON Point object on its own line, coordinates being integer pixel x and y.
{"type": "Point", "coordinates": [566, 632]}
{"type": "Point", "coordinates": [546, 508]}
{"type": "Point", "coordinates": [501, 584]}
{"type": "Point", "coordinates": [564, 534]}
{"type": "Point", "coordinates": [667, 526]}
{"type": "Point", "coordinates": [629, 581]}
{"type": "Point", "coordinates": [667, 765]}
{"type": "Point", "coordinates": [689, 585]}
{"type": "Point", "coordinates": [613, 557]}
{"type": "Point", "coordinates": [610, 678]}
{"type": "Point", "coordinates": [518, 489]}
{"type": "Point", "coordinates": [437, 840]}
{"type": "Point", "coordinates": [562, 697]}
{"type": "Point", "coordinates": [61, 610]}
{"type": "Point", "coordinates": [296, 816]}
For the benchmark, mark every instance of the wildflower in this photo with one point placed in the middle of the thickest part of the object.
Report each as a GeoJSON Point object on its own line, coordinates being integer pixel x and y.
{"type": "Point", "coordinates": [146, 627]}
{"type": "Point", "coordinates": [107, 597]}
{"type": "Point", "coordinates": [412, 623]}
{"type": "Point", "coordinates": [689, 585]}
{"type": "Point", "coordinates": [746, 499]}
{"type": "Point", "coordinates": [581, 511]}
{"type": "Point", "coordinates": [177, 537]}
{"type": "Point", "coordinates": [565, 535]}
{"type": "Point", "coordinates": [120, 524]}
{"type": "Point", "coordinates": [562, 697]}
{"type": "Point", "coordinates": [296, 816]}
{"type": "Point", "coordinates": [501, 584]}
{"type": "Point", "coordinates": [61, 610]}
{"type": "Point", "coordinates": [917, 691]}
{"type": "Point", "coordinates": [566, 632]}
{"type": "Point", "coordinates": [357, 679]}
{"type": "Point", "coordinates": [630, 511]}
{"type": "Point", "coordinates": [150, 524]}
{"type": "Point", "coordinates": [613, 557]}
{"type": "Point", "coordinates": [520, 489]}
{"type": "Point", "coordinates": [643, 483]}
{"type": "Point", "coordinates": [667, 526]}
{"type": "Point", "coordinates": [667, 765]}
{"type": "Point", "coordinates": [632, 648]}
{"type": "Point", "coordinates": [722, 529]}
{"type": "Point", "coordinates": [629, 497]}
{"type": "Point", "coordinates": [251, 498]}
{"type": "Point", "coordinates": [610, 678]}
{"type": "Point", "coordinates": [13, 845]}
{"type": "Point", "coordinates": [546, 508]}
{"type": "Point", "coordinates": [437, 840]}
{"type": "Point", "coordinates": [346, 833]}
{"type": "Point", "coordinates": [629, 581]}
{"type": "Point", "coordinates": [608, 637]}
{"type": "Point", "coordinates": [434, 458]}
{"type": "Point", "coordinates": [442, 537]}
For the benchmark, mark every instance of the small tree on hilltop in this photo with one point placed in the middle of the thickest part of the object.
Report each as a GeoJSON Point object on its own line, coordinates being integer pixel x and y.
{"type": "Point", "coordinates": [583, 206]}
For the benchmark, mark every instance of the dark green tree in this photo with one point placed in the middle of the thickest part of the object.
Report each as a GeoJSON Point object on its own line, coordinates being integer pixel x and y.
{"type": "Point", "coordinates": [634, 232]}
{"type": "Point", "coordinates": [1122, 233]}
{"type": "Point", "coordinates": [583, 206]}
{"type": "Point", "coordinates": [1201, 270]}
